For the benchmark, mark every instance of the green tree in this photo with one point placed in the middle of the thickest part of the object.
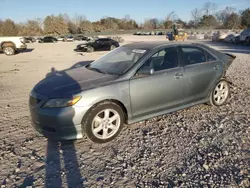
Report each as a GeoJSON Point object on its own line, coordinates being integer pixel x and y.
{"type": "Point", "coordinates": [208, 21]}
{"type": "Point", "coordinates": [245, 18]}
{"type": "Point", "coordinates": [232, 21]}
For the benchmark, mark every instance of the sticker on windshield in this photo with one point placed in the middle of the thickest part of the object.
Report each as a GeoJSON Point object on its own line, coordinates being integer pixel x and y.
{"type": "Point", "coordinates": [139, 51]}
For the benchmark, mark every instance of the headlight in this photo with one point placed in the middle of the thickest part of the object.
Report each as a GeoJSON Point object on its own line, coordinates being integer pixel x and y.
{"type": "Point", "coordinates": [61, 102]}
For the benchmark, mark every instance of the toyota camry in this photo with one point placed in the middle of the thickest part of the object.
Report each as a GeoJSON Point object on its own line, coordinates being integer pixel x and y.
{"type": "Point", "coordinates": [131, 83]}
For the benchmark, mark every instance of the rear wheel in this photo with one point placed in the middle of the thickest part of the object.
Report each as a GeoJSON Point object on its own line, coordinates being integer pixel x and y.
{"type": "Point", "coordinates": [9, 50]}
{"type": "Point", "coordinates": [104, 122]}
{"type": "Point", "coordinates": [247, 41]}
{"type": "Point", "coordinates": [220, 93]}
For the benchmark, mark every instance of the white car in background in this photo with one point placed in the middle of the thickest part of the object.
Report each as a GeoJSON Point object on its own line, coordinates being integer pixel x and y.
{"type": "Point", "coordinates": [10, 45]}
{"type": "Point", "coordinates": [245, 36]}
{"type": "Point", "coordinates": [219, 36]}
{"type": "Point", "coordinates": [231, 38]}
{"type": "Point", "coordinates": [69, 39]}
{"type": "Point", "coordinates": [61, 38]}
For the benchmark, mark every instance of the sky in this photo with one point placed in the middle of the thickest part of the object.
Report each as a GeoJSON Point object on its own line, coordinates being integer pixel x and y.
{"type": "Point", "coordinates": [22, 10]}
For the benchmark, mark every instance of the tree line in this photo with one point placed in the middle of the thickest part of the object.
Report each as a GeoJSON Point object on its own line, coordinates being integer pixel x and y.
{"type": "Point", "coordinates": [206, 17]}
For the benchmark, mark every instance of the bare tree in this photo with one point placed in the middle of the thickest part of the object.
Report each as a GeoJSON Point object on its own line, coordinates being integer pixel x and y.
{"type": "Point", "coordinates": [223, 15]}
{"type": "Point", "coordinates": [171, 16]}
{"type": "Point", "coordinates": [209, 8]}
{"type": "Point", "coordinates": [196, 15]}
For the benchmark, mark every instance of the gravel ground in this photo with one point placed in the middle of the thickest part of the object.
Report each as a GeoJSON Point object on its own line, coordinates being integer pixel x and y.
{"type": "Point", "coordinates": [202, 146]}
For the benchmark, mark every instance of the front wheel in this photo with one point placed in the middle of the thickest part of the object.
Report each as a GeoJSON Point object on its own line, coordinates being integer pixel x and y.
{"type": "Point", "coordinates": [220, 93]}
{"type": "Point", "coordinates": [90, 49]}
{"type": "Point", "coordinates": [9, 50]}
{"type": "Point", "coordinates": [104, 122]}
{"type": "Point", "coordinates": [112, 47]}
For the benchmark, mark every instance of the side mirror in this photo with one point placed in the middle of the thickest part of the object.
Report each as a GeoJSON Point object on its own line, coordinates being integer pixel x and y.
{"type": "Point", "coordinates": [146, 71]}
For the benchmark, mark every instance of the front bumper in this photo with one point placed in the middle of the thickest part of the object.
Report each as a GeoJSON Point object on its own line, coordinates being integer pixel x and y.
{"type": "Point", "coordinates": [57, 123]}
{"type": "Point", "coordinates": [22, 47]}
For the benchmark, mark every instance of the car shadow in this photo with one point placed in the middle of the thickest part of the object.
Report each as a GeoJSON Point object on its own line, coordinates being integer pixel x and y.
{"type": "Point", "coordinates": [25, 51]}
{"type": "Point", "coordinates": [61, 161]}
{"type": "Point", "coordinates": [229, 48]}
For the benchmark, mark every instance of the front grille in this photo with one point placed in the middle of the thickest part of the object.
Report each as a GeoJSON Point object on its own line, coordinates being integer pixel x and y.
{"type": "Point", "coordinates": [34, 101]}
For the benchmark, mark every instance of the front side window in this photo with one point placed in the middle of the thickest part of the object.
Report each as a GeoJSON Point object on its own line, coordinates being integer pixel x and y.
{"type": "Point", "coordinates": [193, 55]}
{"type": "Point", "coordinates": [117, 61]}
{"type": "Point", "coordinates": [163, 59]}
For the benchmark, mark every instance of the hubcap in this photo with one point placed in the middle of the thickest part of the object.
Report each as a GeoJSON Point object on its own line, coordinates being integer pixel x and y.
{"type": "Point", "coordinates": [220, 93]}
{"type": "Point", "coordinates": [8, 50]}
{"type": "Point", "coordinates": [106, 123]}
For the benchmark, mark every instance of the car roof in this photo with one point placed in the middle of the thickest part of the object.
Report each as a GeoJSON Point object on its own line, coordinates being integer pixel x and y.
{"type": "Point", "coordinates": [152, 45]}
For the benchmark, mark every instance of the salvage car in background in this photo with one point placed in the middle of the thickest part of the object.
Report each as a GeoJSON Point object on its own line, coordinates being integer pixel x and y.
{"type": "Point", "coordinates": [231, 38]}
{"type": "Point", "coordinates": [48, 39]}
{"type": "Point", "coordinates": [68, 39]}
{"type": "Point", "coordinates": [29, 39]}
{"type": "Point", "coordinates": [60, 38]}
{"type": "Point", "coordinates": [132, 83]}
{"type": "Point", "coordinates": [218, 36]}
{"type": "Point", "coordinates": [245, 37]}
{"type": "Point", "coordinates": [98, 45]}
{"type": "Point", "coordinates": [81, 38]}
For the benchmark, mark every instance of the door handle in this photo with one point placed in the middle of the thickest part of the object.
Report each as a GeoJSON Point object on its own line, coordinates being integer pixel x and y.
{"type": "Point", "coordinates": [178, 76]}
{"type": "Point", "coordinates": [216, 67]}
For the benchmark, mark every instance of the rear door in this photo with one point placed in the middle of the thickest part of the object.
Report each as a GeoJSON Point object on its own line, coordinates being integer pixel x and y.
{"type": "Point", "coordinates": [202, 70]}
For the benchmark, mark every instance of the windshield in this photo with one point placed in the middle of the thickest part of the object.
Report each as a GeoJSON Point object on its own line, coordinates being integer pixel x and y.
{"type": "Point", "coordinates": [117, 61]}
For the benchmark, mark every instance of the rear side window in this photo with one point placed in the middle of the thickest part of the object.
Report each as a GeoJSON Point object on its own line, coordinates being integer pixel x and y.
{"type": "Point", "coordinates": [193, 55]}
{"type": "Point", "coordinates": [210, 57]}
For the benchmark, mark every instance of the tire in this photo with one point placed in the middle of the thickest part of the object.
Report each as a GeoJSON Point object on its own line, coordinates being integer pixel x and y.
{"type": "Point", "coordinates": [112, 47]}
{"type": "Point", "coordinates": [9, 50]}
{"type": "Point", "coordinates": [247, 41]}
{"type": "Point", "coordinates": [220, 93]}
{"type": "Point", "coordinates": [90, 49]}
{"type": "Point", "coordinates": [96, 114]}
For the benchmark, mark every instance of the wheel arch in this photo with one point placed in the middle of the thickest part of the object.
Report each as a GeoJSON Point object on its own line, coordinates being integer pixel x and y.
{"type": "Point", "coordinates": [119, 103]}
{"type": "Point", "coordinates": [7, 42]}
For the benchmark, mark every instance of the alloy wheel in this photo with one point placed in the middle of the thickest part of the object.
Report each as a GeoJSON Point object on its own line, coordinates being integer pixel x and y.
{"type": "Point", "coordinates": [220, 93]}
{"type": "Point", "coordinates": [106, 124]}
{"type": "Point", "coordinates": [8, 50]}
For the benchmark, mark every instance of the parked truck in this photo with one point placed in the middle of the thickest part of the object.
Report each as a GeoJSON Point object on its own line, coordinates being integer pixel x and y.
{"type": "Point", "coordinates": [11, 45]}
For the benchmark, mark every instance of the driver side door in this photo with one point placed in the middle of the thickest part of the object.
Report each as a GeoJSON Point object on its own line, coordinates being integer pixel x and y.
{"type": "Point", "coordinates": [161, 90]}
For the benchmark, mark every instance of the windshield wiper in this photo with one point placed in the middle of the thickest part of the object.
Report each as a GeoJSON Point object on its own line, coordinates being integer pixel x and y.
{"type": "Point", "coordinates": [97, 70]}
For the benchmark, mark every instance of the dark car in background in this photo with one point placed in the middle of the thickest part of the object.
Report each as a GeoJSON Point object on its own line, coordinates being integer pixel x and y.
{"type": "Point", "coordinates": [101, 44]}
{"type": "Point", "coordinates": [29, 39]}
{"type": "Point", "coordinates": [48, 39]}
{"type": "Point", "coordinates": [81, 38]}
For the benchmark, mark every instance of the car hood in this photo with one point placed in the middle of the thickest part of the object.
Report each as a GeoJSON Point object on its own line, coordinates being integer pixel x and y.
{"type": "Point", "coordinates": [71, 82]}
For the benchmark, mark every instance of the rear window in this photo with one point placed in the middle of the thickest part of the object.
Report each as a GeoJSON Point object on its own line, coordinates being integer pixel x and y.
{"type": "Point", "coordinates": [210, 57]}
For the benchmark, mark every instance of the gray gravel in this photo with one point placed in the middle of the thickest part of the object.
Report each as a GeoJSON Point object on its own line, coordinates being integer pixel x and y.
{"type": "Point", "coordinates": [202, 146]}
